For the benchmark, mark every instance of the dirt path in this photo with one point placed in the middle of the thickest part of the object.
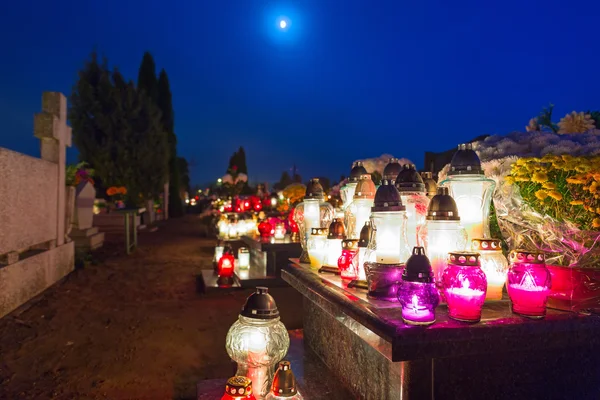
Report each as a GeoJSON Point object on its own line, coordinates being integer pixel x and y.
{"type": "Point", "coordinates": [131, 327]}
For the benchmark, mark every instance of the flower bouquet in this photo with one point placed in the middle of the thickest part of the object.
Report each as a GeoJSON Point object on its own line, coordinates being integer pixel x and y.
{"type": "Point", "coordinates": [117, 196]}
{"type": "Point", "coordinates": [75, 174]}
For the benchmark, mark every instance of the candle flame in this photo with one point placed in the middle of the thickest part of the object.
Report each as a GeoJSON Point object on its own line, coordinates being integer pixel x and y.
{"type": "Point", "coordinates": [465, 284]}
{"type": "Point", "coordinates": [415, 302]}
{"type": "Point", "coordinates": [528, 282]}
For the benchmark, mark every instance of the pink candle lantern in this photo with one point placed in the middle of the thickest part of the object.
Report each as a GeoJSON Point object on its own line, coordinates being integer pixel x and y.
{"type": "Point", "coordinates": [465, 286]}
{"type": "Point", "coordinates": [417, 292]}
{"type": "Point", "coordinates": [348, 261]}
{"type": "Point", "coordinates": [528, 283]}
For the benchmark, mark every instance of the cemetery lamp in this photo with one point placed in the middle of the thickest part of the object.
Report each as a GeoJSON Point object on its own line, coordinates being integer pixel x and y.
{"type": "Point", "coordinates": [218, 252]}
{"type": "Point", "coordinates": [359, 210]}
{"type": "Point", "coordinates": [443, 232]}
{"type": "Point", "coordinates": [312, 212]}
{"type": "Point", "coordinates": [471, 190]}
{"type": "Point", "coordinates": [493, 264]}
{"type": "Point", "coordinates": [347, 191]}
{"type": "Point", "coordinates": [430, 184]}
{"type": "Point", "coordinates": [280, 231]}
{"type": "Point", "coordinates": [337, 233]}
{"type": "Point", "coordinates": [391, 170]}
{"type": "Point", "coordinates": [348, 261]}
{"type": "Point", "coordinates": [238, 388]}
{"type": "Point", "coordinates": [417, 292]}
{"type": "Point", "coordinates": [284, 384]}
{"type": "Point", "coordinates": [528, 283]}
{"type": "Point", "coordinates": [265, 229]}
{"type": "Point", "coordinates": [258, 340]}
{"type": "Point", "coordinates": [363, 242]}
{"type": "Point", "coordinates": [317, 247]}
{"type": "Point", "coordinates": [414, 198]}
{"type": "Point", "coordinates": [243, 258]}
{"type": "Point", "coordinates": [464, 286]}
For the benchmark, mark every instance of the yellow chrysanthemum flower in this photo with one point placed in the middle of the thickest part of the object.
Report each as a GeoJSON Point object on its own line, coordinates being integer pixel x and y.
{"type": "Point", "coordinates": [575, 181]}
{"type": "Point", "coordinates": [576, 202]}
{"type": "Point", "coordinates": [521, 179]}
{"type": "Point", "coordinates": [540, 177]}
{"type": "Point", "coordinates": [549, 185]}
{"type": "Point", "coordinates": [510, 180]}
{"type": "Point", "coordinates": [596, 223]}
{"type": "Point", "coordinates": [541, 194]}
{"type": "Point", "coordinates": [555, 195]}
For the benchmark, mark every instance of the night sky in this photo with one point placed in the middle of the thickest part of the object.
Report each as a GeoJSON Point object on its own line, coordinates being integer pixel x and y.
{"type": "Point", "coordinates": [347, 79]}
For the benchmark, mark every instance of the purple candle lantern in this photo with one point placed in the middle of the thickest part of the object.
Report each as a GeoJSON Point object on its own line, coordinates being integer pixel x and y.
{"type": "Point", "coordinates": [465, 286]}
{"type": "Point", "coordinates": [417, 292]}
{"type": "Point", "coordinates": [383, 280]}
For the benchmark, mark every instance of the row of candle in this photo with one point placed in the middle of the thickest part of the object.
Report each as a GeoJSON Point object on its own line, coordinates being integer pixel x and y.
{"type": "Point", "coordinates": [284, 386]}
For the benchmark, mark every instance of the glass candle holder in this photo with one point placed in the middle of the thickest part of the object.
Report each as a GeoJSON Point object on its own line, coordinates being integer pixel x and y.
{"type": "Point", "coordinates": [464, 286]}
{"type": "Point", "coordinates": [257, 341]}
{"type": "Point", "coordinates": [528, 283]}
{"type": "Point", "coordinates": [232, 233]}
{"type": "Point", "coordinates": [417, 292]}
{"type": "Point", "coordinates": [471, 191]}
{"type": "Point", "coordinates": [238, 388]}
{"type": "Point", "coordinates": [317, 247]}
{"type": "Point", "coordinates": [243, 258]}
{"type": "Point", "coordinates": [226, 265]}
{"type": "Point", "coordinates": [383, 280]}
{"type": "Point", "coordinates": [280, 231]}
{"type": "Point", "coordinates": [284, 384]}
{"type": "Point", "coordinates": [414, 198]}
{"type": "Point", "coordinates": [493, 264]}
{"type": "Point", "coordinates": [430, 184]}
{"type": "Point", "coordinates": [442, 233]}
{"type": "Point", "coordinates": [348, 261]}
{"type": "Point", "coordinates": [363, 242]}
{"type": "Point", "coordinates": [391, 170]}
{"type": "Point", "coordinates": [358, 212]}
{"type": "Point", "coordinates": [265, 229]}
{"type": "Point", "coordinates": [347, 191]}
{"type": "Point", "coordinates": [336, 234]}
{"type": "Point", "coordinates": [218, 253]}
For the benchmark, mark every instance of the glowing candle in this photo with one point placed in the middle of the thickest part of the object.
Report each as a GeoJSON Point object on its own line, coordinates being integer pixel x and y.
{"type": "Point", "coordinates": [317, 247]}
{"type": "Point", "coordinates": [348, 261]}
{"type": "Point", "coordinates": [218, 253]}
{"type": "Point", "coordinates": [493, 264]}
{"type": "Point", "coordinates": [279, 231]}
{"type": "Point", "coordinates": [238, 388]}
{"type": "Point", "coordinates": [412, 192]}
{"type": "Point", "coordinates": [464, 286]}
{"type": "Point", "coordinates": [226, 265]}
{"type": "Point", "coordinates": [347, 191]}
{"type": "Point", "coordinates": [337, 233]}
{"type": "Point", "coordinates": [243, 258]}
{"type": "Point", "coordinates": [363, 242]}
{"type": "Point", "coordinates": [358, 212]}
{"type": "Point", "coordinates": [529, 283]}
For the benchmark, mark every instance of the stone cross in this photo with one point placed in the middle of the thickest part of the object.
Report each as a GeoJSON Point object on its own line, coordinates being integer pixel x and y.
{"type": "Point", "coordinates": [50, 126]}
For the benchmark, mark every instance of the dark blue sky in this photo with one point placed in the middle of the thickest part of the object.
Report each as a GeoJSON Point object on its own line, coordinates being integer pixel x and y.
{"type": "Point", "coordinates": [348, 79]}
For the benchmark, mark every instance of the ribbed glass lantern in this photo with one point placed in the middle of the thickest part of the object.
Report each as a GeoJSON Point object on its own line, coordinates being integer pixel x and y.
{"type": "Point", "coordinates": [337, 233]}
{"type": "Point", "coordinates": [464, 286]}
{"type": "Point", "coordinates": [347, 191]}
{"type": "Point", "coordinates": [414, 198]}
{"type": "Point", "coordinates": [528, 283]}
{"type": "Point", "coordinates": [493, 264]}
{"type": "Point", "coordinates": [317, 247]}
{"type": "Point", "coordinates": [312, 212]}
{"type": "Point", "coordinates": [359, 211]}
{"type": "Point", "coordinates": [471, 191]}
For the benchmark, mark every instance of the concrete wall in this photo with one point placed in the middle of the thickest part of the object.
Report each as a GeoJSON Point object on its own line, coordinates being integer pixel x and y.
{"type": "Point", "coordinates": [34, 251]}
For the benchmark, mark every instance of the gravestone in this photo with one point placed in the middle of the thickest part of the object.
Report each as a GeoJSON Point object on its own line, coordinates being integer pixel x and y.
{"type": "Point", "coordinates": [84, 234]}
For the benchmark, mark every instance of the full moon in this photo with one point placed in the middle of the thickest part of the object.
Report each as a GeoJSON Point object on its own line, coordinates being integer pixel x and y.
{"type": "Point", "coordinates": [282, 24]}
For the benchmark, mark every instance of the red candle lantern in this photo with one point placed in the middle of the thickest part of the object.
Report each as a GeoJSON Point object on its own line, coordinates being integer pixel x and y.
{"type": "Point", "coordinates": [238, 388]}
{"type": "Point", "coordinates": [348, 261]}
{"type": "Point", "coordinates": [265, 229]}
{"type": "Point", "coordinates": [528, 283]}
{"type": "Point", "coordinates": [465, 286]}
{"type": "Point", "coordinates": [226, 263]}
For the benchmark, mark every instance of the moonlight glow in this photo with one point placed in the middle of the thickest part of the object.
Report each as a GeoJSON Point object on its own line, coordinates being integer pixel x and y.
{"type": "Point", "coordinates": [282, 24]}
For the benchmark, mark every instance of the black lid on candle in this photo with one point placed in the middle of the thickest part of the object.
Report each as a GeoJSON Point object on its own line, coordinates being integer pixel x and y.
{"type": "Point", "coordinates": [260, 305]}
{"type": "Point", "coordinates": [238, 386]}
{"type": "Point", "coordinates": [409, 180]}
{"type": "Point", "coordinates": [314, 190]}
{"type": "Point", "coordinates": [466, 258]}
{"type": "Point", "coordinates": [357, 170]}
{"type": "Point", "coordinates": [526, 256]}
{"type": "Point", "coordinates": [430, 183]}
{"type": "Point", "coordinates": [227, 249]}
{"type": "Point", "coordinates": [284, 381]}
{"type": "Point", "coordinates": [365, 235]}
{"type": "Point", "coordinates": [391, 170]}
{"type": "Point", "coordinates": [387, 198]}
{"type": "Point", "coordinates": [337, 230]}
{"type": "Point", "coordinates": [418, 267]}
{"type": "Point", "coordinates": [465, 161]}
{"type": "Point", "coordinates": [442, 207]}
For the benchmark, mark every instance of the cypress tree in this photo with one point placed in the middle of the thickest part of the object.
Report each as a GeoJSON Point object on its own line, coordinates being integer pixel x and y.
{"type": "Point", "coordinates": [147, 81]}
{"type": "Point", "coordinates": [241, 161]}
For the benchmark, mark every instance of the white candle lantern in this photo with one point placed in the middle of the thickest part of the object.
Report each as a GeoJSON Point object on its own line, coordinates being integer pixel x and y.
{"type": "Point", "coordinates": [388, 221]}
{"type": "Point", "coordinates": [442, 233]}
{"type": "Point", "coordinates": [279, 231]}
{"type": "Point", "coordinates": [493, 264]}
{"type": "Point", "coordinates": [414, 198]}
{"type": "Point", "coordinates": [471, 191]}
{"type": "Point", "coordinates": [317, 247]}
{"type": "Point", "coordinates": [243, 258]}
{"type": "Point", "coordinates": [359, 211]}
{"type": "Point", "coordinates": [337, 233]}
{"type": "Point", "coordinates": [347, 191]}
{"type": "Point", "coordinates": [363, 243]}
{"type": "Point", "coordinates": [218, 252]}
{"type": "Point", "coordinates": [257, 341]}
{"type": "Point", "coordinates": [312, 212]}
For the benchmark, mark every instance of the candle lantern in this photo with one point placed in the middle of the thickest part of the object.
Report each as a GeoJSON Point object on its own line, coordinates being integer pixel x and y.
{"type": "Point", "coordinates": [337, 233]}
{"type": "Point", "coordinates": [493, 264]}
{"type": "Point", "coordinates": [257, 341]}
{"type": "Point", "coordinates": [312, 212]}
{"type": "Point", "coordinates": [383, 280]}
{"type": "Point", "coordinates": [528, 283]}
{"type": "Point", "coordinates": [284, 384]}
{"type": "Point", "coordinates": [388, 220]}
{"type": "Point", "coordinates": [238, 388]}
{"type": "Point", "coordinates": [359, 210]}
{"type": "Point", "coordinates": [279, 231]}
{"type": "Point", "coordinates": [232, 232]}
{"type": "Point", "coordinates": [223, 226]}
{"type": "Point", "coordinates": [294, 234]}
{"type": "Point", "coordinates": [417, 292]}
{"type": "Point", "coordinates": [430, 184]}
{"type": "Point", "coordinates": [243, 258]}
{"type": "Point", "coordinates": [347, 191]}
{"type": "Point", "coordinates": [348, 261]}
{"type": "Point", "coordinates": [363, 242]}
{"type": "Point", "coordinates": [471, 190]}
{"type": "Point", "coordinates": [414, 198]}
{"type": "Point", "coordinates": [392, 169]}
{"type": "Point", "coordinates": [218, 252]}
{"type": "Point", "coordinates": [317, 247]}
{"type": "Point", "coordinates": [442, 232]}
{"type": "Point", "coordinates": [265, 229]}
{"type": "Point", "coordinates": [464, 286]}
{"type": "Point", "coordinates": [225, 268]}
